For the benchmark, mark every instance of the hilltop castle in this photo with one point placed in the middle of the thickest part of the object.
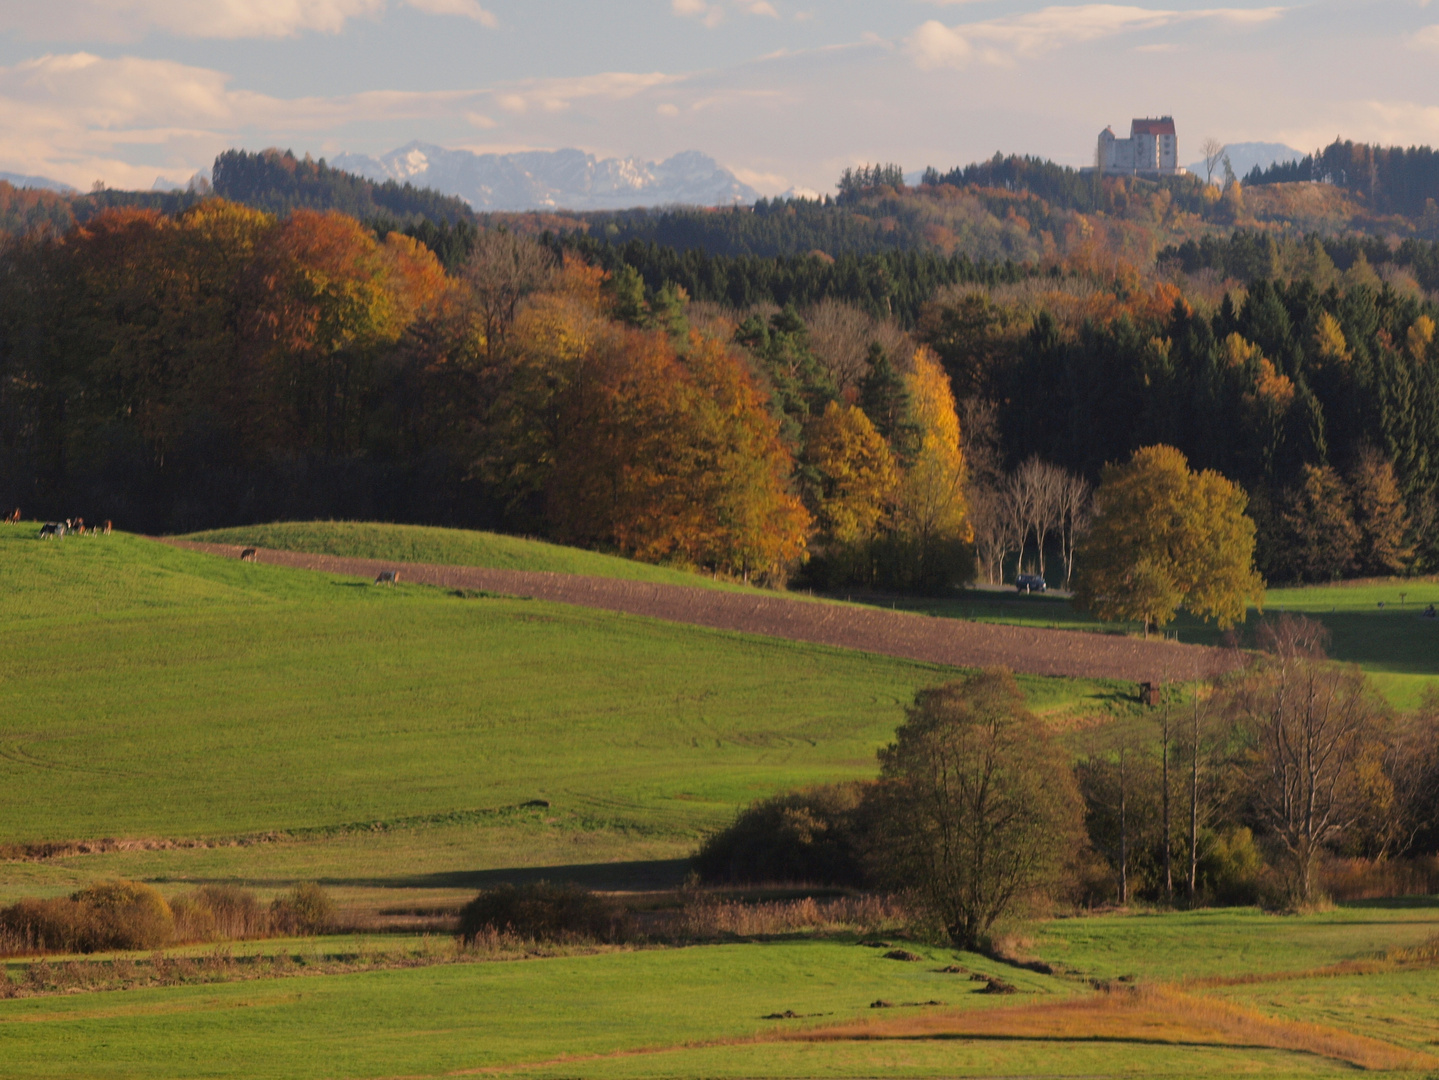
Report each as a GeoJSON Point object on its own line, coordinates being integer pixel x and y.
{"type": "Point", "coordinates": [1152, 149]}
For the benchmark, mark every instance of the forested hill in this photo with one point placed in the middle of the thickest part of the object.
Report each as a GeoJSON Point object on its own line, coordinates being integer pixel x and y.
{"type": "Point", "coordinates": [280, 182]}
{"type": "Point", "coordinates": [1394, 179]}
{"type": "Point", "coordinates": [272, 180]}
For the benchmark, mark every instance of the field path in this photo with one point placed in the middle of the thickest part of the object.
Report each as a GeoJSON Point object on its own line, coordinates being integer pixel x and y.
{"type": "Point", "coordinates": [952, 642]}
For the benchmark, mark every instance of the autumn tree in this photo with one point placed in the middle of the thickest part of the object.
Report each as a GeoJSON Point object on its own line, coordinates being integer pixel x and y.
{"type": "Point", "coordinates": [1324, 541]}
{"type": "Point", "coordinates": [502, 269]}
{"type": "Point", "coordinates": [976, 809]}
{"type": "Point", "coordinates": [1311, 721]}
{"type": "Point", "coordinates": [1164, 538]}
{"type": "Point", "coordinates": [329, 298]}
{"type": "Point", "coordinates": [1379, 516]}
{"type": "Point", "coordinates": [855, 473]}
{"type": "Point", "coordinates": [932, 533]}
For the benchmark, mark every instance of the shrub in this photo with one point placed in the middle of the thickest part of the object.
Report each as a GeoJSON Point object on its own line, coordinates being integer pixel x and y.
{"type": "Point", "coordinates": [1232, 868]}
{"type": "Point", "coordinates": [235, 912]}
{"type": "Point", "coordinates": [541, 911]}
{"type": "Point", "coordinates": [808, 836]}
{"type": "Point", "coordinates": [194, 921]}
{"type": "Point", "coordinates": [127, 915]}
{"type": "Point", "coordinates": [106, 915]}
{"type": "Point", "coordinates": [305, 909]}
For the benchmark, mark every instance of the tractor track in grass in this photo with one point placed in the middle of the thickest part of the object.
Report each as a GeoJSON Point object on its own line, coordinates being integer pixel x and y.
{"type": "Point", "coordinates": [928, 639]}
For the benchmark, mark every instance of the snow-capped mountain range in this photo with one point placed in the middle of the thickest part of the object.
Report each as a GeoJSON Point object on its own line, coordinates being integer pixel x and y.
{"type": "Point", "coordinates": [554, 179]}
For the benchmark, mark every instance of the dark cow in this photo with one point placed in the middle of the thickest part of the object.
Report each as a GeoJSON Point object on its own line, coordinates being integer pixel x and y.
{"type": "Point", "coordinates": [387, 577]}
{"type": "Point", "coordinates": [52, 529]}
{"type": "Point", "coordinates": [249, 555]}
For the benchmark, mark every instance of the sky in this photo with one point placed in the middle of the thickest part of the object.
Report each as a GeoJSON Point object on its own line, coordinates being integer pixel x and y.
{"type": "Point", "coordinates": [786, 94]}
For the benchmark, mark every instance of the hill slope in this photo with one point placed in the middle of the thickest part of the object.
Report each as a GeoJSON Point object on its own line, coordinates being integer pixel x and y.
{"type": "Point", "coordinates": [448, 547]}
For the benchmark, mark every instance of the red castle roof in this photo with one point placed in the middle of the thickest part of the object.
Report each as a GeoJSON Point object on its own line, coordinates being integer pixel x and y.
{"type": "Point", "coordinates": [1162, 126]}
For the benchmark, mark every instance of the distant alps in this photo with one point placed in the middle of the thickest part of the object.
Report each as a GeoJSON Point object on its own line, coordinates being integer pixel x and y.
{"type": "Point", "coordinates": [554, 179]}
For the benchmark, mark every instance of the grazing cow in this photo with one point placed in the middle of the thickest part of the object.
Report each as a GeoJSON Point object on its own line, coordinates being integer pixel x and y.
{"type": "Point", "coordinates": [14, 518]}
{"type": "Point", "coordinates": [248, 555]}
{"type": "Point", "coordinates": [107, 526]}
{"type": "Point", "coordinates": [80, 526]}
{"type": "Point", "coordinates": [51, 529]}
{"type": "Point", "coordinates": [387, 577]}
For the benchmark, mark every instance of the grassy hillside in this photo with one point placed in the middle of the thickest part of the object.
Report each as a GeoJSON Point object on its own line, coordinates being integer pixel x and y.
{"type": "Point", "coordinates": [1375, 624]}
{"type": "Point", "coordinates": [392, 734]}
{"type": "Point", "coordinates": [709, 1010]}
{"type": "Point", "coordinates": [449, 547]}
{"type": "Point", "coordinates": [1391, 642]}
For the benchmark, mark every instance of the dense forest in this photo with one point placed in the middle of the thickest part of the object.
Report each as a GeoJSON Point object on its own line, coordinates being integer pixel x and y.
{"type": "Point", "coordinates": [226, 365]}
{"type": "Point", "coordinates": [314, 344]}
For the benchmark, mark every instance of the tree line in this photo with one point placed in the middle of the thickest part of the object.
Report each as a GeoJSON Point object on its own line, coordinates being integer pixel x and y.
{"type": "Point", "coordinates": [1240, 789]}
{"type": "Point", "coordinates": [1396, 179]}
{"type": "Point", "coordinates": [1319, 396]}
{"type": "Point", "coordinates": [226, 365]}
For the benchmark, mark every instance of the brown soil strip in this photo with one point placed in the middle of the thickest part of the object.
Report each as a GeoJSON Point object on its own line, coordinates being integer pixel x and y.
{"type": "Point", "coordinates": [950, 642]}
{"type": "Point", "coordinates": [1158, 1016]}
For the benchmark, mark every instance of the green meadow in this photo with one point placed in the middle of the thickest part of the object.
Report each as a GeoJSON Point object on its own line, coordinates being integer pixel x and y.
{"type": "Point", "coordinates": [1376, 624]}
{"type": "Point", "coordinates": [447, 547]}
{"type": "Point", "coordinates": [393, 736]}
{"type": "Point", "coordinates": [710, 1010]}
{"type": "Point", "coordinates": [253, 724]}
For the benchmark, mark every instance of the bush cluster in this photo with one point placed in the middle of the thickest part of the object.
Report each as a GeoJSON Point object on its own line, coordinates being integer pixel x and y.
{"type": "Point", "coordinates": [104, 916]}
{"type": "Point", "coordinates": [542, 911]}
{"type": "Point", "coordinates": [808, 836]}
{"type": "Point", "coordinates": [124, 915]}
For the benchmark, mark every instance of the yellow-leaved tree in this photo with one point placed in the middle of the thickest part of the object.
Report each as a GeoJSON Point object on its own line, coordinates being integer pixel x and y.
{"type": "Point", "coordinates": [932, 535]}
{"type": "Point", "coordinates": [855, 473]}
{"type": "Point", "coordinates": [1165, 537]}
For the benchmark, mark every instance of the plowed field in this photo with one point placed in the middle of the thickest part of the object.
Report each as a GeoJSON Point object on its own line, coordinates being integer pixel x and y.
{"type": "Point", "coordinates": [952, 642]}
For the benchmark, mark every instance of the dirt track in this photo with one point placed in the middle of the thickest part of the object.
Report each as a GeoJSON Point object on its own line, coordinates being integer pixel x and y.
{"type": "Point", "coordinates": [952, 642]}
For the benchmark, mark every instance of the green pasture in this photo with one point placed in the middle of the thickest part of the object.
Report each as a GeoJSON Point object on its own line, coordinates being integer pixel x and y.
{"type": "Point", "coordinates": [436, 1020]}
{"type": "Point", "coordinates": [697, 1011]}
{"type": "Point", "coordinates": [447, 547]}
{"type": "Point", "coordinates": [1168, 946]}
{"type": "Point", "coordinates": [392, 734]}
{"type": "Point", "coordinates": [1392, 642]}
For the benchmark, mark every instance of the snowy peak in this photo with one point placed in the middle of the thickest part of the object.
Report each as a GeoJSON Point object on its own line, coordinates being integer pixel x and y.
{"type": "Point", "coordinates": [554, 179]}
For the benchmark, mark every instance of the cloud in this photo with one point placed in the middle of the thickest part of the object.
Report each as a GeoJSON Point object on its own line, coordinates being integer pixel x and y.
{"type": "Point", "coordinates": [1005, 40]}
{"type": "Point", "coordinates": [467, 9]}
{"type": "Point", "coordinates": [78, 116]}
{"type": "Point", "coordinates": [127, 20]}
{"type": "Point", "coordinates": [1426, 40]}
{"type": "Point", "coordinates": [712, 14]}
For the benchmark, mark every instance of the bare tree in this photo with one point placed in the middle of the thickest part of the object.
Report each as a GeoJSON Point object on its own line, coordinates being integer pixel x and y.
{"type": "Point", "coordinates": [1213, 151]}
{"type": "Point", "coordinates": [1036, 490]}
{"type": "Point", "coordinates": [504, 268]}
{"type": "Point", "coordinates": [989, 514]}
{"type": "Point", "coordinates": [1017, 496]}
{"type": "Point", "coordinates": [1312, 719]}
{"type": "Point", "coordinates": [1075, 507]}
{"type": "Point", "coordinates": [840, 335]}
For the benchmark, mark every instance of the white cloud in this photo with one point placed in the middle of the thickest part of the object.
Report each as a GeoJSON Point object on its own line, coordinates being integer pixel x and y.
{"type": "Point", "coordinates": [77, 117]}
{"type": "Point", "coordinates": [712, 14]}
{"type": "Point", "coordinates": [123, 20]}
{"type": "Point", "coordinates": [1426, 39]}
{"type": "Point", "coordinates": [467, 9]}
{"type": "Point", "coordinates": [1004, 40]}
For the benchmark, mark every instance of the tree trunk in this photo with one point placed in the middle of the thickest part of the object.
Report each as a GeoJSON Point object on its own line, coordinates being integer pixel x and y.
{"type": "Point", "coordinates": [1191, 886]}
{"type": "Point", "coordinates": [1168, 843]}
{"type": "Point", "coordinates": [1123, 834]}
